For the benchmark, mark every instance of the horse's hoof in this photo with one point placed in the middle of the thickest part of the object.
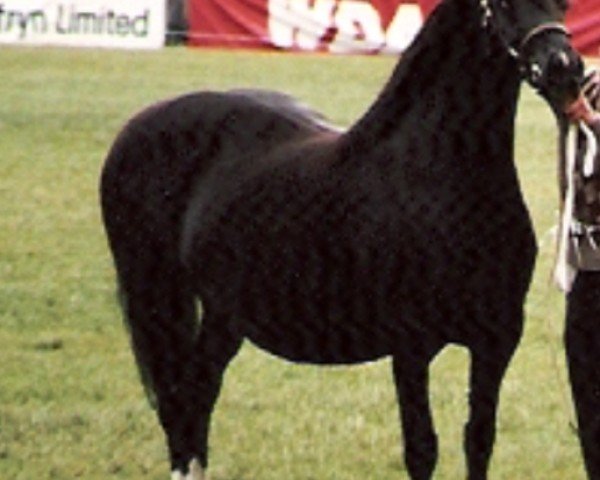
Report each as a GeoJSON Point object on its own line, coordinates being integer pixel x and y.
{"type": "Point", "coordinates": [195, 472]}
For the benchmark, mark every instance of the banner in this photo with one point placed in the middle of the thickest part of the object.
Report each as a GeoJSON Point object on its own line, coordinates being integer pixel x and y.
{"type": "Point", "coordinates": [341, 26]}
{"type": "Point", "coordinates": [583, 21]}
{"type": "Point", "coordinates": [83, 23]}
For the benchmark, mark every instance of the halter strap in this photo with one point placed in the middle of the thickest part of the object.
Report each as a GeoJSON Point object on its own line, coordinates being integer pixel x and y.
{"type": "Point", "coordinates": [543, 28]}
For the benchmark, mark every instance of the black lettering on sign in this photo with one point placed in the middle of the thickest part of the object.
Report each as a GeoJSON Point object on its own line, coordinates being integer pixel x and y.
{"type": "Point", "coordinates": [11, 20]}
{"type": "Point", "coordinates": [71, 21]}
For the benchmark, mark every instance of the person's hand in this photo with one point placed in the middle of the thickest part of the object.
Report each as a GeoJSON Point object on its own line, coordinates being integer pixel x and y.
{"type": "Point", "coordinates": [581, 110]}
{"type": "Point", "coordinates": [585, 108]}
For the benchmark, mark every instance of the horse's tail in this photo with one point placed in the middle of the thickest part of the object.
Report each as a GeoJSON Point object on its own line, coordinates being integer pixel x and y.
{"type": "Point", "coordinates": [144, 192]}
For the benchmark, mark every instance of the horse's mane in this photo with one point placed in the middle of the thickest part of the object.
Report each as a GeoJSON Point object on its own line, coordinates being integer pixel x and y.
{"type": "Point", "coordinates": [451, 42]}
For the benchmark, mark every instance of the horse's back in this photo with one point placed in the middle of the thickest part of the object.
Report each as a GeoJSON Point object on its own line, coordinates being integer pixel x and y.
{"type": "Point", "coordinates": [199, 127]}
{"type": "Point", "coordinates": [162, 152]}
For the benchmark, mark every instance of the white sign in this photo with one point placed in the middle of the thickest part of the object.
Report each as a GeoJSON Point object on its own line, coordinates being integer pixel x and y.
{"type": "Point", "coordinates": [83, 23]}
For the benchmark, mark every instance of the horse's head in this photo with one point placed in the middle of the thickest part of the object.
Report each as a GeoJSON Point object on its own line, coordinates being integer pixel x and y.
{"type": "Point", "coordinates": [534, 33]}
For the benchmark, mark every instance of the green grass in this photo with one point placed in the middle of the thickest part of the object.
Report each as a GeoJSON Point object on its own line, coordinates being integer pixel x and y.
{"type": "Point", "coordinates": [70, 402]}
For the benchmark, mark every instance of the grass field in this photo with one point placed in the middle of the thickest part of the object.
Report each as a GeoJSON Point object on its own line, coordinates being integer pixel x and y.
{"type": "Point", "coordinates": [70, 402]}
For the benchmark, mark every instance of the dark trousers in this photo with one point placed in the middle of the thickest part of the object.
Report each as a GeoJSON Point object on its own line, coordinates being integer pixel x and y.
{"type": "Point", "coordinates": [582, 340]}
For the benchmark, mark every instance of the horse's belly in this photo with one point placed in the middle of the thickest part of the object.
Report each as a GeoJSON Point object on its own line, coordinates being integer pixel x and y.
{"type": "Point", "coordinates": [318, 347]}
{"type": "Point", "coordinates": [330, 331]}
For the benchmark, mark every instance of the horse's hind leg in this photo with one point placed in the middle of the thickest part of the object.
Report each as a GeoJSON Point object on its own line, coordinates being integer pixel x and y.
{"type": "Point", "coordinates": [216, 345]}
{"type": "Point", "coordinates": [411, 376]}
{"type": "Point", "coordinates": [488, 366]}
{"type": "Point", "coordinates": [159, 307]}
{"type": "Point", "coordinates": [160, 313]}
{"type": "Point", "coordinates": [181, 360]}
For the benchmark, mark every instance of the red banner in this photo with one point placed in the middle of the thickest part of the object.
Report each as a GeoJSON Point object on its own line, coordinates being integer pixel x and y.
{"type": "Point", "coordinates": [583, 20]}
{"type": "Point", "coordinates": [341, 26]}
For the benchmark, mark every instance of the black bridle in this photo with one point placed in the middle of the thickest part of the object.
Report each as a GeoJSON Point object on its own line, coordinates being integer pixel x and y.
{"type": "Point", "coordinates": [539, 30]}
{"type": "Point", "coordinates": [516, 51]}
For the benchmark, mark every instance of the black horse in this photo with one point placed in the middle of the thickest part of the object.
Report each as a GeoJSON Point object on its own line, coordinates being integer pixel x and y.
{"type": "Point", "coordinates": [402, 235]}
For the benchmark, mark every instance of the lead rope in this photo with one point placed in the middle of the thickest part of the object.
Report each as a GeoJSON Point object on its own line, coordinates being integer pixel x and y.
{"type": "Point", "coordinates": [564, 272]}
{"type": "Point", "coordinates": [592, 150]}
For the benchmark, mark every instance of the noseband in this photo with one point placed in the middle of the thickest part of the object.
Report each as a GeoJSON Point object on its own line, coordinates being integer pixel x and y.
{"type": "Point", "coordinates": [539, 30]}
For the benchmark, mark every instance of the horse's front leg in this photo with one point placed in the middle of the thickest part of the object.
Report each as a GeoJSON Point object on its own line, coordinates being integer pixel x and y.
{"type": "Point", "coordinates": [489, 361]}
{"type": "Point", "coordinates": [411, 376]}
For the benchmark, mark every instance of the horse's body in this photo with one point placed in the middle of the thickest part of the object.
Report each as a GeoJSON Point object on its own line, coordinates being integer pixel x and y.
{"type": "Point", "coordinates": [396, 238]}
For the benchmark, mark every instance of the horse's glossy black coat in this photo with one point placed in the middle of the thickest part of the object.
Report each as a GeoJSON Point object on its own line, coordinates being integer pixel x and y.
{"type": "Point", "coordinates": [404, 234]}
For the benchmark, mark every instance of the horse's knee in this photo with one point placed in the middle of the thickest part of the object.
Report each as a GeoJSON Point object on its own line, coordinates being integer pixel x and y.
{"type": "Point", "coordinates": [480, 431]}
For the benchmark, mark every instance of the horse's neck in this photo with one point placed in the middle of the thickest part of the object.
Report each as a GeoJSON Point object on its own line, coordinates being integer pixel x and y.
{"type": "Point", "coordinates": [455, 79]}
